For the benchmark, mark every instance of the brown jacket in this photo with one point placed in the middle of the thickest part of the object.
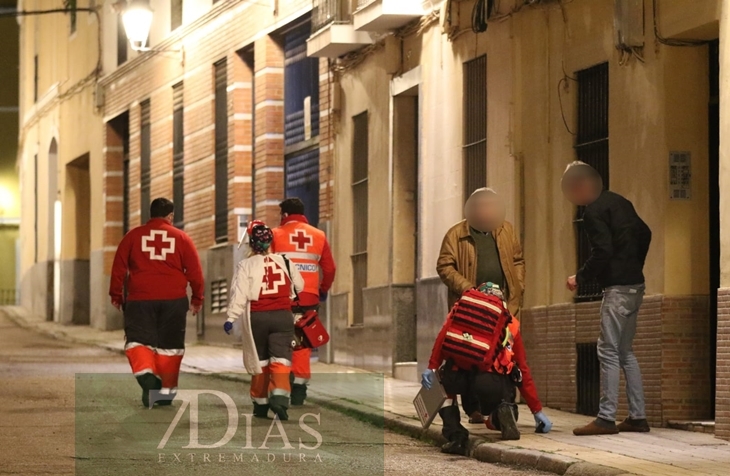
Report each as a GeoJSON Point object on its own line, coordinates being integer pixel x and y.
{"type": "Point", "coordinates": [457, 263]}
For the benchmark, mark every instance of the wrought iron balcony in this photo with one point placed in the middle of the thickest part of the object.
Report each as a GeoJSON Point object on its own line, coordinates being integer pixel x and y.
{"type": "Point", "coordinates": [333, 34]}
{"type": "Point", "coordinates": [327, 12]}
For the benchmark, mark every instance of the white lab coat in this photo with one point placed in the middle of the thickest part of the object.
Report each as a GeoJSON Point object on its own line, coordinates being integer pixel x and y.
{"type": "Point", "coordinates": [246, 287]}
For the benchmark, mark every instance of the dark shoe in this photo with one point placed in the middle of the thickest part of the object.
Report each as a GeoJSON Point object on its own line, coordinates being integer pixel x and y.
{"type": "Point", "coordinates": [597, 427]}
{"type": "Point", "coordinates": [260, 411]}
{"type": "Point", "coordinates": [634, 426]}
{"type": "Point", "coordinates": [456, 447]}
{"type": "Point", "coordinates": [476, 418]}
{"type": "Point", "coordinates": [148, 382]}
{"type": "Point", "coordinates": [508, 422]}
{"type": "Point", "coordinates": [298, 394]}
{"type": "Point", "coordinates": [279, 405]}
{"type": "Point", "coordinates": [164, 403]}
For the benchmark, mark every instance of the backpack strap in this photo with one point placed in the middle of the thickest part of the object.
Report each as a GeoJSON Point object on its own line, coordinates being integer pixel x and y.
{"type": "Point", "coordinates": [288, 270]}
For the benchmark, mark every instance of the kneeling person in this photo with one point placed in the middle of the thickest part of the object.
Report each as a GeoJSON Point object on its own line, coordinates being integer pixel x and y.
{"type": "Point", "coordinates": [493, 378]}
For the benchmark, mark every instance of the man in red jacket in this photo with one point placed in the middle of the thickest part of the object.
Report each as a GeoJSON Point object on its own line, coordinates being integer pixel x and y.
{"type": "Point", "coordinates": [494, 388]}
{"type": "Point", "coordinates": [154, 264]}
{"type": "Point", "coordinates": [308, 249]}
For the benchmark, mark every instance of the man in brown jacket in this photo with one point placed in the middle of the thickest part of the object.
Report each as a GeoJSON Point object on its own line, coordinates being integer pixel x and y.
{"type": "Point", "coordinates": [482, 248]}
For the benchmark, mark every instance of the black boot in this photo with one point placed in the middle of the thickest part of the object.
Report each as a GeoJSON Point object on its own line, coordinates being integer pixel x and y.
{"type": "Point", "coordinates": [260, 411]}
{"type": "Point", "coordinates": [453, 431]}
{"type": "Point", "coordinates": [507, 422]}
{"type": "Point", "coordinates": [279, 405]}
{"type": "Point", "coordinates": [148, 382]}
{"type": "Point", "coordinates": [455, 447]}
{"type": "Point", "coordinates": [298, 394]}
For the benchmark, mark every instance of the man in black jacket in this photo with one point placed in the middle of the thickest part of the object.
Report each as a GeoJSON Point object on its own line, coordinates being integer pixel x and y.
{"type": "Point", "coordinates": [619, 243]}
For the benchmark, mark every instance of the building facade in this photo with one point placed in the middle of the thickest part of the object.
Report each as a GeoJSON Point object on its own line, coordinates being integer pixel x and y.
{"type": "Point", "coordinates": [59, 158]}
{"type": "Point", "coordinates": [431, 110]}
{"type": "Point", "coordinates": [226, 115]}
{"type": "Point", "coordinates": [383, 115]}
{"type": "Point", "coordinates": [223, 112]}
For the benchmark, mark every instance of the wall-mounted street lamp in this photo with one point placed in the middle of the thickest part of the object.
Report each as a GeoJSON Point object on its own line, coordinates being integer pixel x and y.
{"type": "Point", "coordinates": [137, 20]}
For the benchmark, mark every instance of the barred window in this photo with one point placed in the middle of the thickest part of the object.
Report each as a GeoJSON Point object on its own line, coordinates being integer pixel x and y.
{"type": "Point", "coordinates": [475, 125]}
{"type": "Point", "coordinates": [178, 155]}
{"type": "Point", "coordinates": [591, 147]}
{"type": "Point", "coordinates": [360, 163]}
{"type": "Point", "coordinates": [145, 156]}
{"type": "Point", "coordinates": [221, 151]}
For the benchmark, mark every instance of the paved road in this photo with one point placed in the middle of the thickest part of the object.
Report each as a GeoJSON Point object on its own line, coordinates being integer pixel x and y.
{"type": "Point", "coordinates": [69, 409]}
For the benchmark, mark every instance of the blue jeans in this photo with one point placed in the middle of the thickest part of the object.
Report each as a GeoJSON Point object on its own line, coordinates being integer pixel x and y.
{"type": "Point", "coordinates": [619, 311]}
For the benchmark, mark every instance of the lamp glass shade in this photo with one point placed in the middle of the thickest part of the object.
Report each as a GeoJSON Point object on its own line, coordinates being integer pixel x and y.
{"type": "Point", "coordinates": [137, 19]}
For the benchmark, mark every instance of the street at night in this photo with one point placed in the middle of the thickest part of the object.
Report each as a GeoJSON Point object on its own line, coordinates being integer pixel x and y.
{"type": "Point", "coordinates": [42, 425]}
{"type": "Point", "coordinates": [357, 237]}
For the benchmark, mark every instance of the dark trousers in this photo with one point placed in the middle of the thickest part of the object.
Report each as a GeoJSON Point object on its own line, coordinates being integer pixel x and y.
{"type": "Point", "coordinates": [155, 339]}
{"type": "Point", "coordinates": [489, 390]}
{"type": "Point", "coordinates": [470, 402]}
{"type": "Point", "coordinates": [157, 324]}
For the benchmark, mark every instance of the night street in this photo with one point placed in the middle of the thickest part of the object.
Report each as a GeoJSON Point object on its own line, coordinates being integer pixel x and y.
{"type": "Point", "coordinates": [38, 418]}
{"type": "Point", "coordinates": [279, 236]}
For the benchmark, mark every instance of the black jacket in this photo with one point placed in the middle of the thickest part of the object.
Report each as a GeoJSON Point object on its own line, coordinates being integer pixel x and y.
{"type": "Point", "coordinates": [619, 242]}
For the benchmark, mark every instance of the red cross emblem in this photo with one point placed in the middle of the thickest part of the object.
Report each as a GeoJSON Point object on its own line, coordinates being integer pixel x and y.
{"type": "Point", "coordinates": [301, 240]}
{"type": "Point", "coordinates": [158, 245]}
{"type": "Point", "coordinates": [274, 278]}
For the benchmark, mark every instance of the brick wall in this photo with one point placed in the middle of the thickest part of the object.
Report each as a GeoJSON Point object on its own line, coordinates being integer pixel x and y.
{"type": "Point", "coordinates": [269, 127]}
{"type": "Point", "coordinates": [685, 358]}
{"type": "Point", "coordinates": [648, 350]}
{"type": "Point", "coordinates": [560, 351]}
{"type": "Point", "coordinates": [232, 31]}
{"type": "Point", "coordinates": [671, 345]}
{"type": "Point", "coordinates": [722, 395]}
{"type": "Point", "coordinates": [534, 326]}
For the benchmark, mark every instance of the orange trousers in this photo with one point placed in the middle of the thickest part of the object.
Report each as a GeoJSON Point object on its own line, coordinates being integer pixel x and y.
{"type": "Point", "coordinates": [274, 381]}
{"type": "Point", "coordinates": [301, 366]}
{"type": "Point", "coordinates": [163, 363]}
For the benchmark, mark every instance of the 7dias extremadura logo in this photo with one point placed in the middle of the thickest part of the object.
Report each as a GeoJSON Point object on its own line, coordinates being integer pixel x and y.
{"type": "Point", "coordinates": [274, 441]}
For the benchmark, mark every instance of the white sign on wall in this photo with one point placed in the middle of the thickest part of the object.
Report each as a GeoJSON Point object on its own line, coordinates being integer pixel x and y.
{"type": "Point", "coordinates": [680, 175]}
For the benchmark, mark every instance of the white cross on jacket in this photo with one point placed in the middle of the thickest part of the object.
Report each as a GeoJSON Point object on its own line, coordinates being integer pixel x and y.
{"type": "Point", "coordinates": [245, 288]}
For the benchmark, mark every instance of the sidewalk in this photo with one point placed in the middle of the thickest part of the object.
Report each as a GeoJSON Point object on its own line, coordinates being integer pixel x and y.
{"type": "Point", "coordinates": [663, 452]}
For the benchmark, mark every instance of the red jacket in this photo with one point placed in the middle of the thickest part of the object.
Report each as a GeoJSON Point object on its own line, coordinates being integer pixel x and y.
{"type": "Point", "coordinates": [156, 261]}
{"type": "Point", "coordinates": [306, 246]}
{"type": "Point", "coordinates": [528, 389]}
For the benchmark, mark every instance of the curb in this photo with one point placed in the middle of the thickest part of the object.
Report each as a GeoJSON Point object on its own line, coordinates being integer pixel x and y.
{"type": "Point", "coordinates": [479, 449]}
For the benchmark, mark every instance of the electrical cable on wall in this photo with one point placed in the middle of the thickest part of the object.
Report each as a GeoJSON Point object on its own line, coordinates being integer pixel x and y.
{"type": "Point", "coordinates": [671, 41]}
{"type": "Point", "coordinates": [482, 11]}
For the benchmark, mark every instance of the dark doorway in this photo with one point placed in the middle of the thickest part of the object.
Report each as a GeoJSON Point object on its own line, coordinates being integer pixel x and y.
{"type": "Point", "coordinates": [714, 190]}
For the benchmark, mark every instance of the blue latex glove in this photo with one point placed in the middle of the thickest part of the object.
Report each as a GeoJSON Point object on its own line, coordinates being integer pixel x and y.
{"type": "Point", "coordinates": [228, 327]}
{"type": "Point", "coordinates": [542, 423]}
{"type": "Point", "coordinates": [427, 378]}
{"type": "Point", "coordinates": [322, 296]}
